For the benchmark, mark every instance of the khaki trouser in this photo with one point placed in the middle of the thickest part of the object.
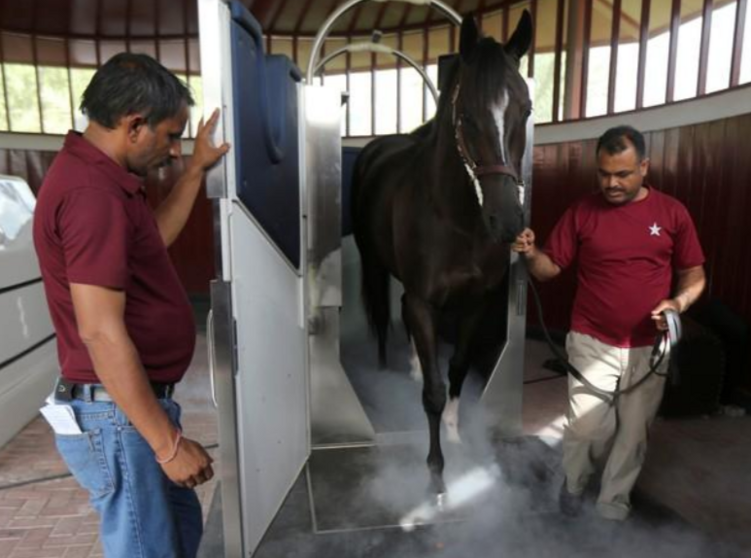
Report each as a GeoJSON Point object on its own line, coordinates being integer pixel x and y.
{"type": "Point", "coordinates": [599, 431]}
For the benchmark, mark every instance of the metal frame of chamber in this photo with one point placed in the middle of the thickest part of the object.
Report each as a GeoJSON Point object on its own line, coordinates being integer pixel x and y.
{"type": "Point", "coordinates": [258, 467]}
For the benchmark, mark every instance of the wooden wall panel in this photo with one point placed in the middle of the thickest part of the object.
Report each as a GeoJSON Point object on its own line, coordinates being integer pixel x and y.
{"type": "Point", "coordinates": [706, 166]}
{"type": "Point", "coordinates": [192, 253]}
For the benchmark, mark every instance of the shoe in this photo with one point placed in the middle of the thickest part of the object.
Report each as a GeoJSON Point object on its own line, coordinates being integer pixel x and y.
{"type": "Point", "coordinates": [570, 504]}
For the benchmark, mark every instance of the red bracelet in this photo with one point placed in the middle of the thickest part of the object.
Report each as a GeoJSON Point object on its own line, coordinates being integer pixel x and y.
{"type": "Point", "coordinates": [175, 447]}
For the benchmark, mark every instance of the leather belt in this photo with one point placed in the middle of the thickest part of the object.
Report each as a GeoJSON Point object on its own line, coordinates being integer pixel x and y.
{"type": "Point", "coordinates": [97, 392]}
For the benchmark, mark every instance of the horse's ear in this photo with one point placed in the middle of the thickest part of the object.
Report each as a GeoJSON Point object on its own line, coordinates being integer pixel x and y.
{"type": "Point", "coordinates": [468, 37]}
{"type": "Point", "coordinates": [519, 43]}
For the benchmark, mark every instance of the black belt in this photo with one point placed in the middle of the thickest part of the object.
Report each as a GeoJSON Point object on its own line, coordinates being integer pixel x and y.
{"type": "Point", "coordinates": [66, 390]}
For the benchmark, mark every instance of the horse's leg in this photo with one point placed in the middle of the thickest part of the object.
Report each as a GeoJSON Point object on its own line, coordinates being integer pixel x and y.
{"type": "Point", "coordinates": [415, 371]}
{"type": "Point", "coordinates": [458, 368]}
{"type": "Point", "coordinates": [421, 322]}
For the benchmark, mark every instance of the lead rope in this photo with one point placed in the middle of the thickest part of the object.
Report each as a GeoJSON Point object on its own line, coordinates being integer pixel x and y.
{"type": "Point", "coordinates": [663, 340]}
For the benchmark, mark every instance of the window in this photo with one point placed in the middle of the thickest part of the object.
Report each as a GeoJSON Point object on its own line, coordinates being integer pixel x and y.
{"type": "Point", "coordinates": [411, 97]}
{"type": "Point", "coordinates": [21, 86]}
{"type": "Point", "coordinates": [687, 59]}
{"type": "Point", "coordinates": [656, 80]}
{"type": "Point", "coordinates": [598, 74]}
{"type": "Point", "coordinates": [720, 48]}
{"type": "Point", "coordinates": [385, 84]}
{"type": "Point", "coordinates": [359, 104]}
{"type": "Point", "coordinates": [597, 81]}
{"type": "Point", "coordinates": [79, 79]}
{"type": "Point", "coordinates": [55, 93]}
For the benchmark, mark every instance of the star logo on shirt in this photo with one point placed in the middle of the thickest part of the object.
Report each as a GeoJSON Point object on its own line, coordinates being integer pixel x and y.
{"type": "Point", "coordinates": [654, 230]}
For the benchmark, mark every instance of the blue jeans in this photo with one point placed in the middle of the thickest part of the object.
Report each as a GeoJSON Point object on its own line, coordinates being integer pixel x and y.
{"type": "Point", "coordinates": [142, 513]}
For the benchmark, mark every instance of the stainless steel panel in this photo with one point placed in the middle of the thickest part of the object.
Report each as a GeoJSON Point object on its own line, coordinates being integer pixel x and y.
{"type": "Point", "coordinates": [337, 417]}
{"type": "Point", "coordinates": [502, 397]}
{"type": "Point", "coordinates": [271, 383]}
{"type": "Point", "coordinates": [223, 366]}
{"type": "Point", "coordinates": [323, 182]}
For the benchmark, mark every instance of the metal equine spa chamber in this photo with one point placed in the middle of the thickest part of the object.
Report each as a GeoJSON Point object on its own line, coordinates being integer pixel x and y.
{"type": "Point", "coordinates": [285, 301]}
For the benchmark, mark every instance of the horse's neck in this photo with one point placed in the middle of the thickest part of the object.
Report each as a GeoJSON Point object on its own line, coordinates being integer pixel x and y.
{"type": "Point", "coordinates": [452, 191]}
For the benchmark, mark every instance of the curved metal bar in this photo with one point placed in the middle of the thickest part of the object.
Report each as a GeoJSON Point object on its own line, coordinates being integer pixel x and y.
{"type": "Point", "coordinates": [447, 10]}
{"type": "Point", "coordinates": [383, 49]}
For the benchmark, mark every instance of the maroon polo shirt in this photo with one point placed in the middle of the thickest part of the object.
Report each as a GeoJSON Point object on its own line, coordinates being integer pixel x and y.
{"type": "Point", "coordinates": [92, 225]}
{"type": "Point", "coordinates": [627, 255]}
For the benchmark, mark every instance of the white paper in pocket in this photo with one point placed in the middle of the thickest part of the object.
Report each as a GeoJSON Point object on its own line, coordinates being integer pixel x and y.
{"type": "Point", "coordinates": [62, 419]}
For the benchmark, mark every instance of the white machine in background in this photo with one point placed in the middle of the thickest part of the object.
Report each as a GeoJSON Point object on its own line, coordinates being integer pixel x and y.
{"type": "Point", "coordinates": [28, 354]}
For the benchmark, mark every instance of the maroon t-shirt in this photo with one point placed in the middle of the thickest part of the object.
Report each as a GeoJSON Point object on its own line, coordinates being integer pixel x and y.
{"type": "Point", "coordinates": [626, 257]}
{"type": "Point", "coordinates": [92, 225]}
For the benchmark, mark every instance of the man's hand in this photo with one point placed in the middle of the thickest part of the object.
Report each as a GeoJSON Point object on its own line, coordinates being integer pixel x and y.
{"type": "Point", "coordinates": [659, 317]}
{"type": "Point", "coordinates": [205, 153]}
{"type": "Point", "coordinates": [191, 465]}
{"type": "Point", "coordinates": [525, 243]}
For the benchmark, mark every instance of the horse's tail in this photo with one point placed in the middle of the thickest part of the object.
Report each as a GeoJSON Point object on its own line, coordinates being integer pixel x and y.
{"type": "Point", "coordinates": [375, 281]}
{"type": "Point", "coordinates": [376, 300]}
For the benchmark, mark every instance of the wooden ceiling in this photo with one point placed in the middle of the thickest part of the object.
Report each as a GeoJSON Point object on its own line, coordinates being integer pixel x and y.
{"type": "Point", "coordinates": [167, 18]}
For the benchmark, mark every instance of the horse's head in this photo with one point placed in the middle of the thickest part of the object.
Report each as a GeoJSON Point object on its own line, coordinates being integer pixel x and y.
{"type": "Point", "coordinates": [490, 107]}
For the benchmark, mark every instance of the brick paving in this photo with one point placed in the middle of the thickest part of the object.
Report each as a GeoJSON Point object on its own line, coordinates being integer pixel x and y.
{"type": "Point", "coordinates": [52, 518]}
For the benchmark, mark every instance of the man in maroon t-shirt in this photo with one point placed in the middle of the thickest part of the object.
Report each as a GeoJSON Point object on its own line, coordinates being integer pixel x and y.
{"type": "Point", "coordinates": [125, 329]}
{"type": "Point", "coordinates": [629, 240]}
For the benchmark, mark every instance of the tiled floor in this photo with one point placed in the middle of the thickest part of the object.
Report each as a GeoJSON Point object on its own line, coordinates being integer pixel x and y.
{"type": "Point", "coordinates": [697, 467]}
{"type": "Point", "coordinates": [52, 518]}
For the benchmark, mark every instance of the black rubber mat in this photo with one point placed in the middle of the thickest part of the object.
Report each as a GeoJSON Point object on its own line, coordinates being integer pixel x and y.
{"type": "Point", "coordinates": [515, 518]}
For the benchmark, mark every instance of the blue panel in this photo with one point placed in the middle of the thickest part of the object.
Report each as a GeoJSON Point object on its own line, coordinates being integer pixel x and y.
{"type": "Point", "coordinates": [266, 146]}
{"type": "Point", "coordinates": [349, 156]}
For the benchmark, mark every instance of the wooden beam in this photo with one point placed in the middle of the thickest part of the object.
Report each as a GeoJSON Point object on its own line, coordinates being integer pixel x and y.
{"type": "Point", "coordinates": [97, 42]}
{"type": "Point", "coordinates": [675, 24]}
{"type": "Point", "coordinates": [615, 35]}
{"type": "Point", "coordinates": [559, 17]}
{"type": "Point", "coordinates": [740, 24]}
{"type": "Point", "coordinates": [643, 42]}
{"type": "Point", "coordinates": [425, 55]}
{"type": "Point", "coordinates": [706, 29]}
{"type": "Point", "coordinates": [572, 101]}
{"type": "Point", "coordinates": [399, 46]}
{"type": "Point", "coordinates": [506, 17]}
{"type": "Point", "coordinates": [585, 58]}
{"type": "Point", "coordinates": [279, 9]}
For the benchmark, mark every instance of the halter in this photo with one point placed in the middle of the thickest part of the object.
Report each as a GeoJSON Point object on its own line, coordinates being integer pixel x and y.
{"type": "Point", "coordinates": [473, 169]}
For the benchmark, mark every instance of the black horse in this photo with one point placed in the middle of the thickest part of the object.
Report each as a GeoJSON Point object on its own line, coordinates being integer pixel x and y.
{"type": "Point", "coordinates": [438, 208]}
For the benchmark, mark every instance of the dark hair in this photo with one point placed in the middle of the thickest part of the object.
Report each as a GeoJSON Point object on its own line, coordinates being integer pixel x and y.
{"type": "Point", "coordinates": [614, 141]}
{"type": "Point", "coordinates": [129, 83]}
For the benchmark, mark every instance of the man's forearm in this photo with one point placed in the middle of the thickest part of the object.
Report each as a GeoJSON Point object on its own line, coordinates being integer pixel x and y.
{"type": "Point", "coordinates": [173, 213]}
{"type": "Point", "coordinates": [119, 369]}
{"type": "Point", "coordinates": [691, 283]}
{"type": "Point", "coordinates": [541, 266]}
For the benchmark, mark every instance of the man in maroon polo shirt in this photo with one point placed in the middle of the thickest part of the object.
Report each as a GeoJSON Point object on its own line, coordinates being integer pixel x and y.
{"type": "Point", "coordinates": [630, 240]}
{"type": "Point", "coordinates": [125, 329]}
